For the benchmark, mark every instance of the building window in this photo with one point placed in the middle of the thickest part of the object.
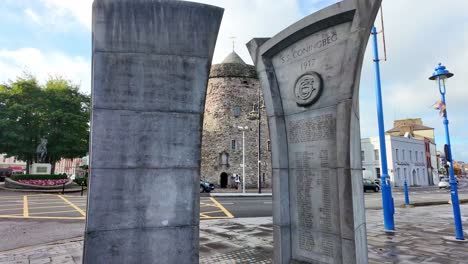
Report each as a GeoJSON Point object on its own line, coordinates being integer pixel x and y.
{"type": "Point", "coordinates": [404, 172]}
{"type": "Point", "coordinates": [410, 155]}
{"type": "Point", "coordinates": [236, 111]}
{"type": "Point", "coordinates": [376, 154]}
{"type": "Point", "coordinates": [269, 145]}
{"type": "Point", "coordinates": [233, 144]}
{"type": "Point", "coordinates": [403, 155]}
{"type": "Point", "coordinates": [363, 156]}
{"type": "Point", "coordinates": [377, 172]}
{"type": "Point", "coordinates": [396, 154]}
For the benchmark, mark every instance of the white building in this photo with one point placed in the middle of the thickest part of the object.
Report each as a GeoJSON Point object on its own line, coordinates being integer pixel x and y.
{"type": "Point", "coordinates": [12, 163]}
{"type": "Point", "coordinates": [405, 159]}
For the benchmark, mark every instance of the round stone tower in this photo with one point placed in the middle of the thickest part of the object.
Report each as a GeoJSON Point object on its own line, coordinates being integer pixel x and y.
{"type": "Point", "coordinates": [232, 102]}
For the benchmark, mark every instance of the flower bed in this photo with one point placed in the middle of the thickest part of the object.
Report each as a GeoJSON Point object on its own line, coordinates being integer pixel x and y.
{"type": "Point", "coordinates": [50, 182]}
{"type": "Point", "coordinates": [37, 184]}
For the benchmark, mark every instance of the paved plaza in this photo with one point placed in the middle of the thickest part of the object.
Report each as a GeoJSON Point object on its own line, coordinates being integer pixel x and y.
{"type": "Point", "coordinates": [419, 239]}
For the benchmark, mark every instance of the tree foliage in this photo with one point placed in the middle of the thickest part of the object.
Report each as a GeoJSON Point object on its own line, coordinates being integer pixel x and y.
{"type": "Point", "coordinates": [56, 111]}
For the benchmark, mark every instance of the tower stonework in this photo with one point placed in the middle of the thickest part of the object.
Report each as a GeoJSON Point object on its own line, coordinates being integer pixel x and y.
{"type": "Point", "coordinates": [232, 101]}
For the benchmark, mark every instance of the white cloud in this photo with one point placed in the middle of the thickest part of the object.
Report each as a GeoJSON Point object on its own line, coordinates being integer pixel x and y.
{"type": "Point", "coordinates": [43, 65]}
{"type": "Point", "coordinates": [247, 19]}
{"type": "Point", "coordinates": [64, 10]}
{"type": "Point", "coordinates": [32, 15]}
{"type": "Point", "coordinates": [244, 19]}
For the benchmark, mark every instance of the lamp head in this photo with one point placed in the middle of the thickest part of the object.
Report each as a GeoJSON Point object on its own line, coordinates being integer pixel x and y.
{"type": "Point", "coordinates": [440, 72]}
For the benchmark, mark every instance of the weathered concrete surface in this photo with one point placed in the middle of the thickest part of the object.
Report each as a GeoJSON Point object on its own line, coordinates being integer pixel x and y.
{"type": "Point", "coordinates": [151, 61]}
{"type": "Point", "coordinates": [310, 77]}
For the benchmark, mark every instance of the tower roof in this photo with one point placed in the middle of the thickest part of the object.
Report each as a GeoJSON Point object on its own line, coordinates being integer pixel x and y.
{"type": "Point", "coordinates": [233, 58]}
{"type": "Point", "coordinates": [233, 66]}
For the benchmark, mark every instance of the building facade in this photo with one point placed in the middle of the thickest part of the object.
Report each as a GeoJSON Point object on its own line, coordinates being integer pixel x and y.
{"type": "Point", "coordinates": [232, 101]}
{"type": "Point", "coordinates": [12, 163]}
{"type": "Point", "coordinates": [406, 159]}
{"type": "Point", "coordinates": [68, 166]}
{"type": "Point", "coordinates": [415, 128]}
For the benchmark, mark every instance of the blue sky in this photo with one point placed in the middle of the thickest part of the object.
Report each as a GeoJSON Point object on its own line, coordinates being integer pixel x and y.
{"type": "Point", "coordinates": [49, 37]}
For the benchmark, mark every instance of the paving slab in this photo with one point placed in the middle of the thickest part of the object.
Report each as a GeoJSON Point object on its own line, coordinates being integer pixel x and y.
{"type": "Point", "coordinates": [419, 238]}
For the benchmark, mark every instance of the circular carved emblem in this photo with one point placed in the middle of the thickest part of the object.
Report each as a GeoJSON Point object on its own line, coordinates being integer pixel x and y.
{"type": "Point", "coordinates": [308, 88]}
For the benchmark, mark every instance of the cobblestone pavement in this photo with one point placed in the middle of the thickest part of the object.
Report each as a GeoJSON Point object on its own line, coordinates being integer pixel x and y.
{"type": "Point", "coordinates": [419, 239]}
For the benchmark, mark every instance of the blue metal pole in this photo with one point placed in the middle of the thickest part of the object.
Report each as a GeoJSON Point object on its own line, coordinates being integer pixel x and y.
{"type": "Point", "coordinates": [407, 202]}
{"type": "Point", "coordinates": [453, 184]}
{"type": "Point", "coordinates": [387, 199]}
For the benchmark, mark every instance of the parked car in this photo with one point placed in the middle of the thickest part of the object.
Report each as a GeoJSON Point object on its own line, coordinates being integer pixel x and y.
{"type": "Point", "coordinates": [370, 185]}
{"type": "Point", "coordinates": [4, 173]}
{"type": "Point", "coordinates": [206, 186]}
{"type": "Point", "coordinates": [444, 183]}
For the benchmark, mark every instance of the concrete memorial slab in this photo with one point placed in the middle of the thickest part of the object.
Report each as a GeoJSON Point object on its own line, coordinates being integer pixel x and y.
{"type": "Point", "coordinates": [151, 60]}
{"type": "Point", "coordinates": [310, 76]}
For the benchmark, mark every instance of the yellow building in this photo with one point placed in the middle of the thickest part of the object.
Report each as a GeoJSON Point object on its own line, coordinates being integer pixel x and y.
{"type": "Point", "coordinates": [413, 127]}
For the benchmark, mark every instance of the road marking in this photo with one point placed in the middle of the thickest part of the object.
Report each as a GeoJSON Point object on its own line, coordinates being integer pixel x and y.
{"type": "Point", "coordinates": [267, 202]}
{"type": "Point", "coordinates": [47, 207]}
{"type": "Point", "coordinates": [43, 217]}
{"type": "Point", "coordinates": [25, 206]}
{"type": "Point", "coordinates": [6, 206]}
{"type": "Point", "coordinates": [225, 211]}
{"type": "Point", "coordinates": [33, 203]}
{"type": "Point", "coordinates": [54, 212]}
{"type": "Point", "coordinates": [72, 205]}
{"type": "Point", "coordinates": [10, 209]}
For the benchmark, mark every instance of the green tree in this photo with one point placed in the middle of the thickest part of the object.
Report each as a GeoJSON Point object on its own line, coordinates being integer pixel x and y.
{"type": "Point", "coordinates": [67, 120]}
{"type": "Point", "coordinates": [57, 112]}
{"type": "Point", "coordinates": [21, 118]}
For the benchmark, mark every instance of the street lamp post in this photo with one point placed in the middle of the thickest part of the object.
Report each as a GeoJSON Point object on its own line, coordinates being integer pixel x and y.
{"type": "Point", "coordinates": [440, 75]}
{"type": "Point", "coordinates": [243, 129]}
{"type": "Point", "coordinates": [387, 199]}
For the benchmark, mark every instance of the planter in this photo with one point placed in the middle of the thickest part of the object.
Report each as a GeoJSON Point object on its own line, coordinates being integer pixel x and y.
{"type": "Point", "coordinates": [11, 184]}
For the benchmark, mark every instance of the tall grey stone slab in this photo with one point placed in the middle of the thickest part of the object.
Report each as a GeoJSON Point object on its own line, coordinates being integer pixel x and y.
{"type": "Point", "coordinates": [310, 75]}
{"type": "Point", "coordinates": [151, 61]}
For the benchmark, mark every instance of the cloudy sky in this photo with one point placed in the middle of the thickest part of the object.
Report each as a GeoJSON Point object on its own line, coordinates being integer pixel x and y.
{"type": "Point", "coordinates": [50, 37]}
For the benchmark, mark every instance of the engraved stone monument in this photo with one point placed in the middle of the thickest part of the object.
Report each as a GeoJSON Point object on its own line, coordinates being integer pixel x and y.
{"type": "Point", "coordinates": [151, 60]}
{"type": "Point", "coordinates": [310, 76]}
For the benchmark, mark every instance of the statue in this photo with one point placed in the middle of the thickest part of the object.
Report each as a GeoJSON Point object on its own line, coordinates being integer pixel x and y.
{"type": "Point", "coordinates": [41, 150]}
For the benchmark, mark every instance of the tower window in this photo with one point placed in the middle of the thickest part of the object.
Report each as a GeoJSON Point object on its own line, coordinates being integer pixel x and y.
{"type": "Point", "coordinates": [233, 144]}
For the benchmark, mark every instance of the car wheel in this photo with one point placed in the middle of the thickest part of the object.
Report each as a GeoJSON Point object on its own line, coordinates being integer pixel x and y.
{"type": "Point", "coordinates": [202, 189]}
{"type": "Point", "coordinates": [376, 189]}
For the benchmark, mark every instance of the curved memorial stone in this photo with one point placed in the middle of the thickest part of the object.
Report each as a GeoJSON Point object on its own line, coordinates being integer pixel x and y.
{"type": "Point", "coordinates": [310, 76]}
{"type": "Point", "coordinates": [151, 61]}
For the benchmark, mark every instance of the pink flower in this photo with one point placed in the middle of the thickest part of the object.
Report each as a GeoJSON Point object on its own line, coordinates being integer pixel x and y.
{"type": "Point", "coordinates": [44, 182]}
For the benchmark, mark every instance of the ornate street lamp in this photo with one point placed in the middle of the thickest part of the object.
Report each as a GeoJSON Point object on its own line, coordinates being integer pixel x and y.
{"type": "Point", "coordinates": [441, 75]}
